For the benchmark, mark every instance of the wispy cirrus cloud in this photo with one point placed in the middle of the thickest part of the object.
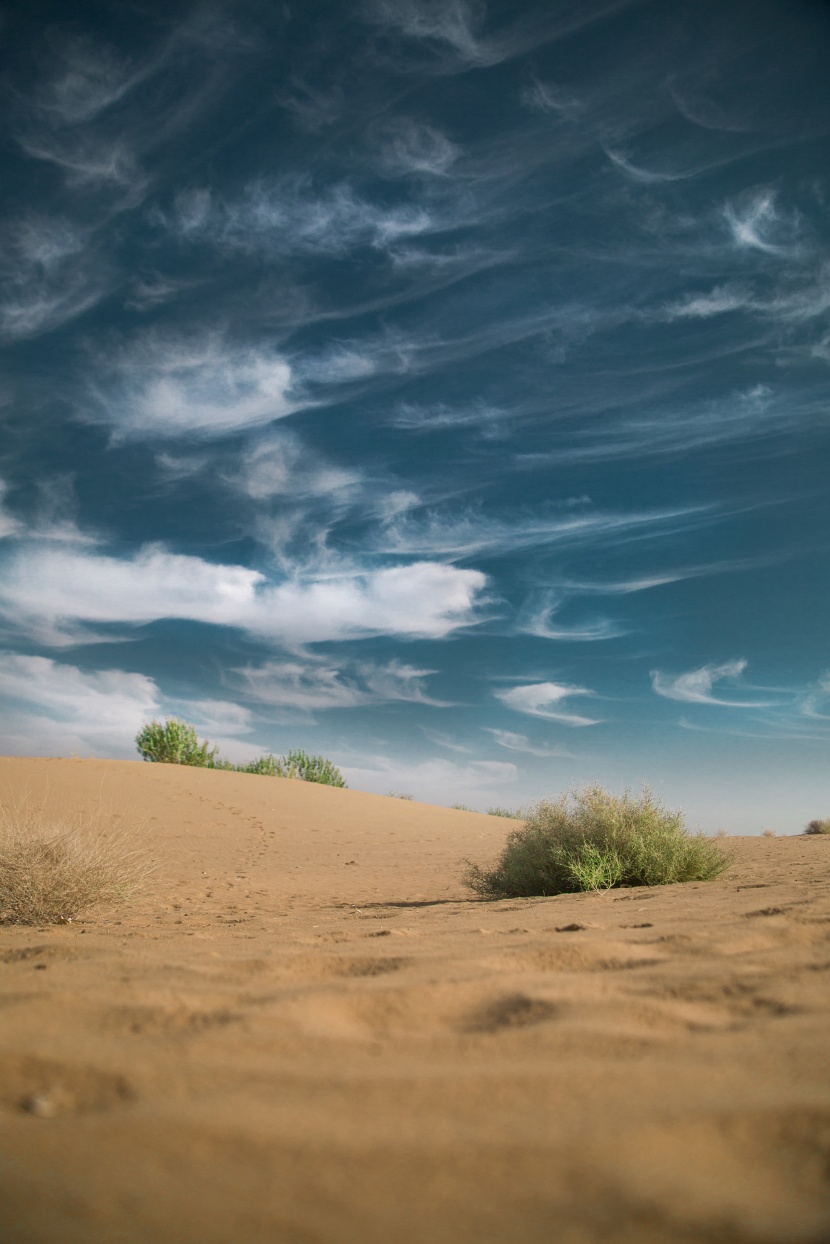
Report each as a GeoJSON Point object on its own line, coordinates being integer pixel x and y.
{"type": "Point", "coordinates": [541, 699]}
{"type": "Point", "coordinates": [696, 686]}
{"type": "Point", "coordinates": [521, 743]}
{"type": "Point", "coordinates": [318, 686]}
{"type": "Point", "coordinates": [60, 593]}
{"type": "Point", "coordinates": [537, 614]}
{"type": "Point", "coordinates": [453, 34]}
{"type": "Point", "coordinates": [50, 274]}
{"type": "Point", "coordinates": [291, 216]}
{"type": "Point", "coordinates": [471, 533]}
{"type": "Point", "coordinates": [756, 223]}
{"type": "Point", "coordinates": [165, 387]}
{"type": "Point", "coordinates": [411, 148]}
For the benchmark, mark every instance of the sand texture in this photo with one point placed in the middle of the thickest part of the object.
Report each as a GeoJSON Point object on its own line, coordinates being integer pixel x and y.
{"type": "Point", "coordinates": [305, 1030]}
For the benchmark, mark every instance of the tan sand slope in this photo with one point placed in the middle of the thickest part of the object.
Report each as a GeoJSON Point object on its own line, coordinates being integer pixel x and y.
{"type": "Point", "coordinates": [305, 1031]}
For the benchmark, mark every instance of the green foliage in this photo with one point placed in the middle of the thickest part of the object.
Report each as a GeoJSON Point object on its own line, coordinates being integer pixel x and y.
{"type": "Point", "coordinates": [512, 814]}
{"type": "Point", "coordinates": [298, 764]}
{"type": "Point", "coordinates": [174, 742]}
{"type": "Point", "coordinates": [592, 839]}
{"type": "Point", "coordinates": [818, 827]}
{"type": "Point", "coordinates": [461, 807]}
{"type": "Point", "coordinates": [396, 794]}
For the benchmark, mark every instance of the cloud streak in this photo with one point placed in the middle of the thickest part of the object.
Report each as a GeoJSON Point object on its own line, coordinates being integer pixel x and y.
{"type": "Point", "coordinates": [60, 593]}
{"type": "Point", "coordinates": [695, 687]}
{"type": "Point", "coordinates": [541, 699]}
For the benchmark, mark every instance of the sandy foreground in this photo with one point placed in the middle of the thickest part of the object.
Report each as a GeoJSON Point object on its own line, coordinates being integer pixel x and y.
{"type": "Point", "coordinates": [305, 1030]}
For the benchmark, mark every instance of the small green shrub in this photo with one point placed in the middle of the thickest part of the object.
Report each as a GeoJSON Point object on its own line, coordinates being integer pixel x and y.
{"type": "Point", "coordinates": [461, 807]}
{"type": "Point", "coordinates": [298, 764]}
{"type": "Point", "coordinates": [592, 840]}
{"type": "Point", "coordinates": [397, 794]}
{"type": "Point", "coordinates": [818, 827]}
{"type": "Point", "coordinates": [512, 814]}
{"type": "Point", "coordinates": [174, 742]}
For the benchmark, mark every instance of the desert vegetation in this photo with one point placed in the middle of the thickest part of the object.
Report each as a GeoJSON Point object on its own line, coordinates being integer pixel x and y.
{"type": "Point", "coordinates": [511, 814]}
{"type": "Point", "coordinates": [51, 872]}
{"type": "Point", "coordinates": [818, 827]}
{"type": "Point", "coordinates": [591, 839]}
{"type": "Point", "coordinates": [176, 742]}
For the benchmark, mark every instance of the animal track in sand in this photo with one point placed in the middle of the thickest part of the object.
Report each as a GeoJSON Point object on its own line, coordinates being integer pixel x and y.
{"type": "Point", "coordinates": [514, 1010]}
{"type": "Point", "coordinates": [164, 1021]}
{"type": "Point", "coordinates": [587, 957]}
{"type": "Point", "coordinates": [45, 1089]}
{"type": "Point", "coordinates": [49, 950]}
{"type": "Point", "coordinates": [322, 967]}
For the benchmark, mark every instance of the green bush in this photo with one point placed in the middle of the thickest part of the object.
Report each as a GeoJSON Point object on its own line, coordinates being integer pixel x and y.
{"type": "Point", "coordinates": [818, 827]}
{"type": "Point", "coordinates": [593, 840]}
{"type": "Point", "coordinates": [298, 764]}
{"type": "Point", "coordinates": [512, 814]}
{"type": "Point", "coordinates": [174, 742]}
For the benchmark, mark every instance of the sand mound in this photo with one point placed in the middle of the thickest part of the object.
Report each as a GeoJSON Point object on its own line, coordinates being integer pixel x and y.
{"type": "Point", "coordinates": [304, 1029]}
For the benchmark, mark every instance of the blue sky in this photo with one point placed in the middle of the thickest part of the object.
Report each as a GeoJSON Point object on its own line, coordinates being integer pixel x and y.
{"type": "Point", "coordinates": [442, 387]}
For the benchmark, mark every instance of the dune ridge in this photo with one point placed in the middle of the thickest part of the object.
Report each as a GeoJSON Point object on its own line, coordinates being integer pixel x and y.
{"type": "Point", "coordinates": [304, 1028]}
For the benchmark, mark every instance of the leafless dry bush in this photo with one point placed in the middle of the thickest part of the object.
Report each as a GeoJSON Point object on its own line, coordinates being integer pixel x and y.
{"type": "Point", "coordinates": [52, 871]}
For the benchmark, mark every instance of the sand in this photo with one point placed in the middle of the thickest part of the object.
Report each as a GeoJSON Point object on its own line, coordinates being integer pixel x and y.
{"type": "Point", "coordinates": [305, 1030]}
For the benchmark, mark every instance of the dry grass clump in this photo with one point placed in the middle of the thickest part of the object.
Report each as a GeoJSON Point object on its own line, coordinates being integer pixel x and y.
{"type": "Point", "coordinates": [51, 871]}
{"type": "Point", "coordinates": [594, 840]}
{"type": "Point", "coordinates": [818, 827]}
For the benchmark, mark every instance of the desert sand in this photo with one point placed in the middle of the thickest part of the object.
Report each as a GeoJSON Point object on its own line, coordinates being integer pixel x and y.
{"type": "Point", "coordinates": [305, 1030]}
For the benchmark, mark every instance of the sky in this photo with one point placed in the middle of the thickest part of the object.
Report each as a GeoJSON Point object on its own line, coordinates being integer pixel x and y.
{"type": "Point", "coordinates": [435, 385]}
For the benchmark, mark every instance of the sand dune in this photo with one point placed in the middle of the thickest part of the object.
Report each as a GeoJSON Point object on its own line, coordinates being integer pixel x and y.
{"type": "Point", "coordinates": [305, 1030]}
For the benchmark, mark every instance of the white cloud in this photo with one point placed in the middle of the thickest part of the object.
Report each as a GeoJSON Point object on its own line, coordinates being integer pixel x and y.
{"type": "Point", "coordinates": [756, 224]}
{"type": "Point", "coordinates": [441, 739]}
{"type": "Point", "coordinates": [59, 591]}
{"type": "Point", "coordinates": [472, 533]}
{"type": "Point", "coordinates": [310, 687]}
{"type": "Point", "coordinates": [535, 618]}
{"type": "Point", "coordinates": [487, 420]}
{"type": "Point", "coordinates": [215, 716]}
{"type": "Point", "coordinates": [50, 273]}
{"type": "Point", "coordinates": [546, 97]}
{"type": "Point", "coordinates": [540, 699]}
{"type": "Point", "coordinates": [170, 388]}
{"type": "Point", "coordinates": [695, 687]}
{"type": "Point", "coordinates": [452, 22]}
{"type": "Point", "coordinates": [521, 743]}
{"type": "Point", "coordinates": [412, 148]}
{"type": "Point", "coordinates": [647, 176]}
{"type": "Point", "coordinates": [280, 465]}
{"type": "Point", "coordinates": [56, 708]}
{"type": "Point", "coordinates": [291, 216]}
{"type": "Point", "coordinates": [719, 301]}
{"type": "Point", "coordinates": [434, 781]}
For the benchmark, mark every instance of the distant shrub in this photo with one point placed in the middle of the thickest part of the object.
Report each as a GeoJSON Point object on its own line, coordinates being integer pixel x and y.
{"type": "Point", "coordinates": [461, 807]}
{"type": "Point", "coordinates": [298, 764]}
{"type": "Point", "coordinates": [174, 742]}
{"type": "Point", "coordinates": [818, 827]}
{"type": "Point", "coordinates": [397, 794]}
{"type": "Point", "coordinates": [768, 833]}
{"type": "Point", "coordinates": [593, 840]}
{"type": "Point", "coordinates": [512, 814]}
{"type": "Point", "coordinates": [51, 872]}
